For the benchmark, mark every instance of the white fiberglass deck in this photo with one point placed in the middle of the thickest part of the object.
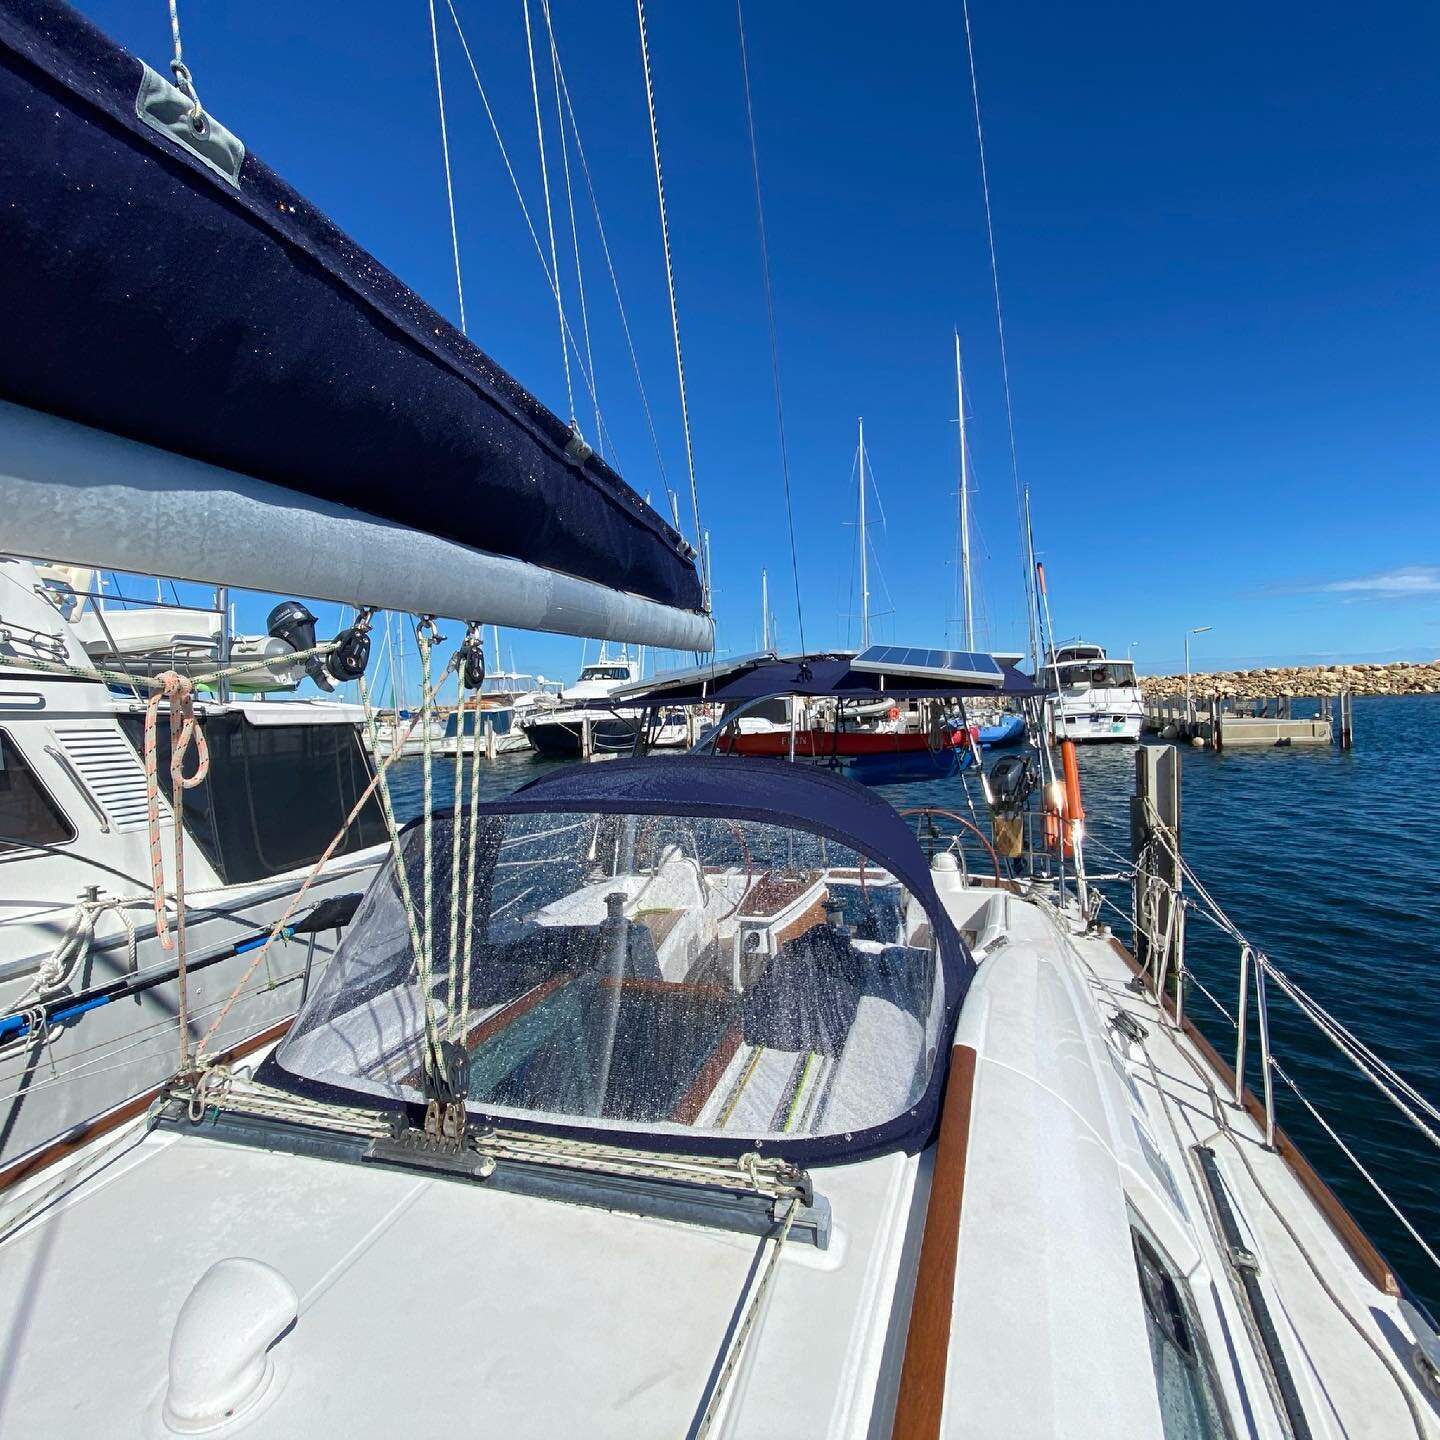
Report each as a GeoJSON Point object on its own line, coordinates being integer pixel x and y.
{"type": "Point", "coordinates": [427, 1305]}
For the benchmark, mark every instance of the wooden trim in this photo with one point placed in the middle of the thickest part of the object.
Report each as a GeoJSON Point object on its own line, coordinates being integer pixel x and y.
{"type": "Point", "coordinates": [806, 920]}
{"type": "Point", "coordinates": [692, 1102]}
{"type": "Point", "coordinates": [921, 1399]}
{"type": "Point", "coordinates": [77, 1139]}
{"type": "Point", "coordinates": [1362, 1249]}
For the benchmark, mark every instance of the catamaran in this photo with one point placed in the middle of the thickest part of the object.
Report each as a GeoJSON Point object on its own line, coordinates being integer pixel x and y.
{"type": "Point", "coordinates": [680, 1096]}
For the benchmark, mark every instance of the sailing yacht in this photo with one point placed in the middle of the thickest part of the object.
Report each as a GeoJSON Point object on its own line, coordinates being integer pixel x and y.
{"type": "Point", "coordinates": [677, 1096]}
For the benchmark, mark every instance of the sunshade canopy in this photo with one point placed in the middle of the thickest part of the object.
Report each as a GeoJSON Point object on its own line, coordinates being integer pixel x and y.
{"type": "Point", "coordinates": [755, 677]}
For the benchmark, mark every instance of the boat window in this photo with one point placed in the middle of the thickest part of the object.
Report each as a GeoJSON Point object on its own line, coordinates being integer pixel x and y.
{"type": "Point", "coordinates": [28, 814]}
{"type": "Point", "coordinates": [499, 719]}
{"type": "Point", "coordinates": [640, 972]}
{"type": "Point", "coordinates": [605, 672]}
{"type": "Point", "coordinates": [276, 795]}
{"type": "Point", "coordinates": [1189, 1407]}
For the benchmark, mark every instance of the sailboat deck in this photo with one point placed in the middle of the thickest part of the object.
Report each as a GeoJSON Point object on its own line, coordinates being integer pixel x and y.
{"type": "Point", "coordinates": [1151, 1103]}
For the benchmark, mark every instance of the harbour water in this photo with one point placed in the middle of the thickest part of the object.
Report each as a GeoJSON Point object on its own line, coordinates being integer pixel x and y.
{"type": "Point", "coordinates": [1325, 860]}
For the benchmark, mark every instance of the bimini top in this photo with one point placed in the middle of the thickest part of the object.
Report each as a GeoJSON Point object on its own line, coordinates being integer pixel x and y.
{"type": "Point", "coordinates": [173, 290]}
{"type": "Point", "coordinates": [832, 674]}
{"type": "Point", "coordinates": [688, 953]}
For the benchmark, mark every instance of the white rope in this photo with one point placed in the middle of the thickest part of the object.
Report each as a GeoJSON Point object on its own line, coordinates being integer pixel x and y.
{"type": "Point", "coordinates": [452, 976]}
{"type": "Point", "coordinates": [425, 638]}
{"type": "Point", "coordinates": [747, 1324]}
{"type": "Point", "coordinates": [445, 150]}
{"type": "Point", "coordinates": [574, 230]}
{"type": "Point", "coordinates": [184, 81]}
{"type": "Point", "coordinates": [468, 947]}
{"type": "Point", "coordinates": [701, 555]}
{"type": "Point", "coordinates": [549, 218]}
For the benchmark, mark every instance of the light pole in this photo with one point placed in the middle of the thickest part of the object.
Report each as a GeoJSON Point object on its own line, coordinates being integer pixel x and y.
{"type": "Point", "coordinates": [1189, 699]}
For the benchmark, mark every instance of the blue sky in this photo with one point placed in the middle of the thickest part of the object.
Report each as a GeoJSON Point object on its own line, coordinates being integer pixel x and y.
{"type": "Point", "coordinates": [1219, 245]}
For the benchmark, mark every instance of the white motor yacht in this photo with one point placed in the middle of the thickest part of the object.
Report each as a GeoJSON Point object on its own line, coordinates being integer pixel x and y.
{"type": "Point", "coordinates": [580, 723]}
{"type": "Point", "coordinates": [1095, 697]}
{"type": "Point", "coordinates": [87, 989]}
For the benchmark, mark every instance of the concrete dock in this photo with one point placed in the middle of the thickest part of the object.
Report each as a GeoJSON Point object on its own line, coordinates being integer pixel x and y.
{"type": "Point", "coordinates": [1219, 724]}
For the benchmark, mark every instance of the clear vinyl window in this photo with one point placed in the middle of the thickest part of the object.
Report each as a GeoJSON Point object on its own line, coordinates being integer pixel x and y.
{"type": "Point", "coordinates": [1190, 1408]}
{"type": "Point", "coordinates": [639, 972]}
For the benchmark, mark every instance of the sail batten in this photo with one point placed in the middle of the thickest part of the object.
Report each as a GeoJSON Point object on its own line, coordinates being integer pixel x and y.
{"type": "Point", "coordinates": [236, 326]}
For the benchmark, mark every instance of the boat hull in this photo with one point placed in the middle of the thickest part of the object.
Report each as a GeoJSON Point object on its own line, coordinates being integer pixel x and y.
{"type": "Point", "coordinates": [842, 744]}
{"type": "Point", "coordinates": [563, 738]}
{"type": "Point", "coordinates": [1009, 731]}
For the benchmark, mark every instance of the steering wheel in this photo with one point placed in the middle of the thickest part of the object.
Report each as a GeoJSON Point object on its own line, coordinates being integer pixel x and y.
{"type": "Point", "coordinates": [739, 835]}
{"type": "Point", "coordinates": [969, 825]}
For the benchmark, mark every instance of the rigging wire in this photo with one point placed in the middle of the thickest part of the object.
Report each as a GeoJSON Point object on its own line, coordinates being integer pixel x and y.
{"type": "Point", "coordinates": [445, 150]}
{"type": "Point", "coordinates": [1030, 598]}
{"type": "Point", "coordinates": [550, 279]}
{"type": "Point", "coordinates": [770, 317]}
{"type": "Point", "coordinates": [574, 230]}
{"type": "Point", "coordinates": [615, 286]}
{"type": "Point", "coordinates": [700, 545]}
{"type": "Point", "coordinates": [549, 217]}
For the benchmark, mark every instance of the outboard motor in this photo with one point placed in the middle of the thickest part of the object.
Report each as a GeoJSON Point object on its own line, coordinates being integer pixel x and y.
{"type": "Point", "coordinates": [291, 623]}
{"type": "Point", "coordinates": [1012, 779]}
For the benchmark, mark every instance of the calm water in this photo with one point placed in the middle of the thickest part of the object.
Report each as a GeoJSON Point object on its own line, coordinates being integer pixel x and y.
{"type": "Point", "coordinates": [1328, 862]}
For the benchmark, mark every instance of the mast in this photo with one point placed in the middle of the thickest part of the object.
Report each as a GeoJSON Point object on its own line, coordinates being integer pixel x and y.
{"type": "Point", "coordinates": [764, 609]}
{"type": "Point", "coordinates": [1031, 599]}
{"type": "Point", "coordinates": [967, 598]}
{"type": "Point", "coordinates": [864, 559]}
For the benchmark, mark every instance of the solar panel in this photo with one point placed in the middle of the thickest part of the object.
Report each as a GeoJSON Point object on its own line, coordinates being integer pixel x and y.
{"type": "Point", "coordinates": [963, 667]}
{"type": "Point", "coordinates": [675, 679]}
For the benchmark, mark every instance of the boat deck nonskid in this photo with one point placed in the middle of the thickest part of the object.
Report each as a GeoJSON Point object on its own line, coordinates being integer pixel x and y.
{"type": "Point", "coordinates": [1077, 1133]}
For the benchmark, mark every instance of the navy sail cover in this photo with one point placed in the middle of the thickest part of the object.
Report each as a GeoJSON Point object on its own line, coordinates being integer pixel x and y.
{"type": "Point", "coordinates": [146, 295]}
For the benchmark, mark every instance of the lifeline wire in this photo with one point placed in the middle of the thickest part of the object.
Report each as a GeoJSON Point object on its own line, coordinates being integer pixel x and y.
{"type": "Point", "coordinates": [770, 316]}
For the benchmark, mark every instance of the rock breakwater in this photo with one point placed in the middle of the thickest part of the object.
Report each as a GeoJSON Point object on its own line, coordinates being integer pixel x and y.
{"type": "Point", "coordinates": [1401, 677]}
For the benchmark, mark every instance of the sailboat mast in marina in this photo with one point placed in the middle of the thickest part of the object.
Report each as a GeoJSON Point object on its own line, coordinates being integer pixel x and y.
{"type": "Point", "coordinates": [864, 557]}
{"type": "Point", "coordinates": [967, 604]}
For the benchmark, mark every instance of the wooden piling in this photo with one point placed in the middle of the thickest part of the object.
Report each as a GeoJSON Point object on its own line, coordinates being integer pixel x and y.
{"type": "Point", "coordinates": [1157, 780]}
{"type": "Point", "coordinates": [1217, 729]}
{"type": "Point", "coordinates": [1347, 720]}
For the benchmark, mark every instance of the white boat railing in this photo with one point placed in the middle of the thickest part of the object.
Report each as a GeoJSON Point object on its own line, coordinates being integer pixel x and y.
{"type": "Point", "coordinates": [1160, 911]}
